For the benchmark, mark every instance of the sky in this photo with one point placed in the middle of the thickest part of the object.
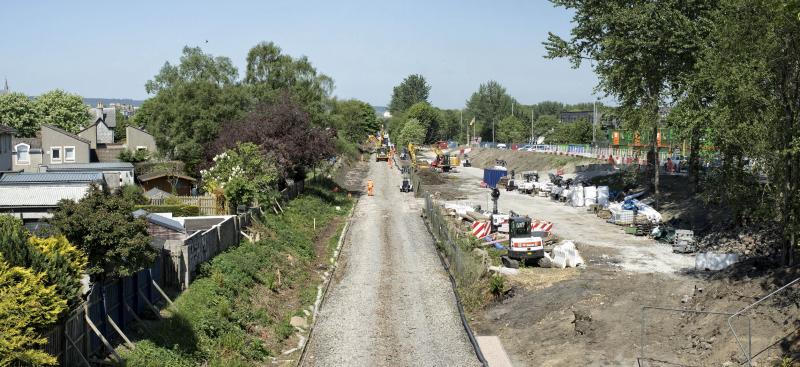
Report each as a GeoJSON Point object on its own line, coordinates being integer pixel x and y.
{"type": "Point", "coordinates": [110, 49]}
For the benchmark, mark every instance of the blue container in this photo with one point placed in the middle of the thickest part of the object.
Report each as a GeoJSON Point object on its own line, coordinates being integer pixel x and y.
{"type": "Point", "coordinates": [492, 176]}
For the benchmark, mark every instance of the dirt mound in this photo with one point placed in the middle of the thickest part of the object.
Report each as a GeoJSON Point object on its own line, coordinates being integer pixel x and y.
{"type": "Point", "coordinates": [527, 161]}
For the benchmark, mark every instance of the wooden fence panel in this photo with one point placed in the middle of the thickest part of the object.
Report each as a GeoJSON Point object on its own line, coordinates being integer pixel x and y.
{"type": "Point", "coordinates": [209, 205]}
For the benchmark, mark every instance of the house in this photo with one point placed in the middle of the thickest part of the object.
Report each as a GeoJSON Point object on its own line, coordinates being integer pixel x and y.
{"type": "Point", "coordinates": [31, 196]}
{"type": "Point", "coordinates": [176, 183]}
{"type": "Point", "coordinates": [59, 147]}
{"type": "Point", "coordinates": [115, 174]}
{"type": "Point", "coordinates": [27, 154]}
{"type": "Point", "coordinates": [104, 121]}
{"type": "Point", "coordinates": [6, 135]}
{"type": "Point", "coordinates": [137, 139]}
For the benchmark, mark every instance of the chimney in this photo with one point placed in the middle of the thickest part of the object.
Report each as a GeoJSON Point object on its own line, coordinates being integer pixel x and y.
{"type": "Point", "coordinates": [100, 104]}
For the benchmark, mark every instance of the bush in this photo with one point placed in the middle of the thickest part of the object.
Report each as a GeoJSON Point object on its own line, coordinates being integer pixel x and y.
{"type": "Point", "coordinates": [133, 157]}
{"type": "Point", "coordinates": [103, 227]}
{"type": "Point", "coordinates": [27, 305]}
{"type": "Point", "coordinates": [497, 285]}
{"type": "Point", "coordinates": [133, 194]}
{"type": "Point", "coordinates": [61, 263]}
{"type": "Point", "coordinates": [176, 210]}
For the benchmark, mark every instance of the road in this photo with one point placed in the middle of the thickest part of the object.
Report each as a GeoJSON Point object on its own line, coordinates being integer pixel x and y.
{"type": "Point", "coordinates": [637, 254]}
{"type": "Point", "coordinates": [390, 303]}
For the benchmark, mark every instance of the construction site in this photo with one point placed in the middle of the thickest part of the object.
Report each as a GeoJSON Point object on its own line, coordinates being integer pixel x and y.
{"type": "Point", "coordinates": [560, 259]}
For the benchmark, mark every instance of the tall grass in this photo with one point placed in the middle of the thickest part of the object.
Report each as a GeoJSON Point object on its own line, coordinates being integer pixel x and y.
{"type": "Point", "coordinates": [218, 321]}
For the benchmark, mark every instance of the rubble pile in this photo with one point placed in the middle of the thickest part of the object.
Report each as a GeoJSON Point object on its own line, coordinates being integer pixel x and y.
{"type": "Point", "coordinates": [745, 241]}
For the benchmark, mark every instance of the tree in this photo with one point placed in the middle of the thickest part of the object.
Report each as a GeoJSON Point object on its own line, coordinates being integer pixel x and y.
{"type": "Point", "coordinates": [284, 130]}
{"type": "Point", "coordinates": [26, 307]}
{"type": "Point", "coordinates": [578, 132]}
{"type": "Point", "coordinates": [102, 226]}
{"type": "Point", "coordinates": [61, 109]}
{"type": "Point", "coordinates": [640, 50]}
{"type": "Point", "coordinates": [489, 105]}
{"type": "Point", "coordinates": [191, 100]}
{"type": "Point", "coordinates": [511, 130]}
{"type": "Point", "coordinates": [428, 116]}
{"type": "Point", "coordinates": [244, 174]}
{"type": "Point", "coordinates": [355, 120]}
{"type": "Point", "coordinates": [16, 111]}
{"type": "Point", "coordinates": [269, 72]}
{"type": "Point", "coordinates": [413, 132]}
{"type": "Point", "coordinates": [413, 89]}
{"type": "Point", "coordinates": [544, 125]}
{"type": "Point", "coordinates": [122, 124]}
{"type": "Point", "coordinates": [751, 62]}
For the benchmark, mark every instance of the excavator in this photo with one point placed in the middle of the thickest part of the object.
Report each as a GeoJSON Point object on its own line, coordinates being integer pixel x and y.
{"type": "Point", "coordinates": [445, 161]}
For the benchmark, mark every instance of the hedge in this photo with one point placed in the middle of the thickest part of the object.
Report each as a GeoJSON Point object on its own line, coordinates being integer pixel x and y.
{"type": "Point", "coordinates": [176, 210]}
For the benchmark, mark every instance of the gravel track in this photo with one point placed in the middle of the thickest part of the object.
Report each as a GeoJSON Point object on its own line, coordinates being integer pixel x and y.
{"type": "Point", "coordinates": [391, 303]}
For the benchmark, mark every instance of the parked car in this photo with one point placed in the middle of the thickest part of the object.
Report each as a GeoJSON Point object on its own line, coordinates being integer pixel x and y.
{"type": "Point", "coordinates": [502, 146]}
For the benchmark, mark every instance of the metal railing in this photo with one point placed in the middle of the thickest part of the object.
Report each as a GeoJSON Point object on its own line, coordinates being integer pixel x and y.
{"type": "Point", "coordinates": [748, 354]}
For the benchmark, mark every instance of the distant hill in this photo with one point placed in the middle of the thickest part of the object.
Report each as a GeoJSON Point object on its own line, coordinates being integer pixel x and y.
{"type": "Point", "coordinates": [379, 110]}
{"type": "Point", "coordinates": [106, 101]}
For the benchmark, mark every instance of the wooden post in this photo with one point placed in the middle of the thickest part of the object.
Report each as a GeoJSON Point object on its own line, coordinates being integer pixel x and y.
{"type": "Point", "coordinates": [147, 301]}
{"type": "Point", "coordinates": [100, 335]}
{"type": "Point", "coordinates": [119, 331]}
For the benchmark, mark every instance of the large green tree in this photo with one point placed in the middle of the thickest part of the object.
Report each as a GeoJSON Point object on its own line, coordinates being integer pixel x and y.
{"type": "Point", "coordinates": [428, 116]}
{"type": "Point", "coordinates": [640, 50]}
{"type": "Point", "coordinates": [511, 130]}
{"type": "Point", "coordinates": [16, 110]}
{"type": "Point", "coordinates": [191, 99]}
{"type": "Point", "coordinates": [62, 109]}
{"type": "Point", "coordinates": [490, 104]}
{"type": "Point", "coordinates": [269, 72]}
{"type": "Point", "coordinates": [413, 132]}
{"type": "Point", "coordinates": [413, 89]}
{"type": "Point", "coordinates": [752, 64]}
{"type": "Point", "coordinates": [355, 120]}
{"type": "Point", "coordinates": [102, 226]}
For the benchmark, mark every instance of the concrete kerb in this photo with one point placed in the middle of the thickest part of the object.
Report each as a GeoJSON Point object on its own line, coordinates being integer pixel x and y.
{"type": "Point", "coordinates": [322, 289]}
{"type": "Point", "coordinates": [464, 323]}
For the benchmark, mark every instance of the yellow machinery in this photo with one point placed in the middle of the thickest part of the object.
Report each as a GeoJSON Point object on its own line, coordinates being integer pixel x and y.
{"type": "Point", "coordinates": [412, 152]}
{"type": "Point", "coordinates": [383, 154]}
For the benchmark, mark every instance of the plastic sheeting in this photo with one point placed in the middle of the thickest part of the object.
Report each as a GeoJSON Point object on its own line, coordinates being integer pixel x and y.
{"type": "Point", "coordinates": [577, 196]}
{"type": "Point", "coordinates": [590, 195]}
{"type": "Point", "coordinates": [602, 196]}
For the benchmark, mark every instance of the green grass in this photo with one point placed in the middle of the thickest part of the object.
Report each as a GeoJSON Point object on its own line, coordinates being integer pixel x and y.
{"type": "Point", "coordinates": [215, 320]}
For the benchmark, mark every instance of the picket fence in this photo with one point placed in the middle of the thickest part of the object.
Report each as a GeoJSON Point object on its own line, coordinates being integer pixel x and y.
{"type": "Point", "coordinates": [208, 204]}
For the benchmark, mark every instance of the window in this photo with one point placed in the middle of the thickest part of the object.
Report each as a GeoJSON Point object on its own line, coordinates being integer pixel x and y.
{"type": "Point", "coordinates": [55, 154]}
{"type": "Point", "coordinates": [69, 154]}
{"type": "Point", "coordinates": [23, 154]}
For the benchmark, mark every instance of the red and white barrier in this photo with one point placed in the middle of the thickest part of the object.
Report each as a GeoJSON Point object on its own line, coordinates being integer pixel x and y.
{"type": "Point", "coordinates": [481, 228]}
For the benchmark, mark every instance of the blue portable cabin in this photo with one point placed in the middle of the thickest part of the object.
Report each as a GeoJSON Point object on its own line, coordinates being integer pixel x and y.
{"type": "Point", "coordinates": [491, 176]}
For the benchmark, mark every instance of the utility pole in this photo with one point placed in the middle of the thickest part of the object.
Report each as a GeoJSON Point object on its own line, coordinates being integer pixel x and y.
{"type": "Point", "coordinates": [461, 122]}
{"type": "Point", "coordinates": [594, 124]}
{"type": "Point", "coordinates": [493, 139]}
{"type": "Point", "coordinates": [532, 126]}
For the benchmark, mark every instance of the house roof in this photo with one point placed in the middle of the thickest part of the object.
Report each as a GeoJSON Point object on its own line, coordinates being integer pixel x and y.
{"type": "Point", "coordinates": [21, 195]}
{"type": "Point", "coordinates": [154, 175]}
{"type": "Point", "coordinates": [6, 129]}
{"type": "Point", "coordinates": [33, 143]}
{"type": "Point", "coordinates": [90, 167]}
{"type": "Point", "coordinates": [107, 114]}
{"type": "Point", "coordinates": [25, 178]}
{"type": "Point", "coordinates": [140, 129]}
{"type": "Point", "coordinates": [156, 193]}
{"type": "Point", "coordinates": [62, 131]}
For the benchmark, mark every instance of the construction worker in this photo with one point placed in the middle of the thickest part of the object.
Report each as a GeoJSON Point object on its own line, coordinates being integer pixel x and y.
{"type": "Point", "coordinates": [390, 163]}
{"type": "Point", "coordinates": [370, 186]}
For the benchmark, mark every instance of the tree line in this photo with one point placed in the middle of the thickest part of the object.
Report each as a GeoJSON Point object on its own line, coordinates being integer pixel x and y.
{"type": "Point", "coordinates": [490, 113]}
{"type": "Point", "coordinates": [730, 69]}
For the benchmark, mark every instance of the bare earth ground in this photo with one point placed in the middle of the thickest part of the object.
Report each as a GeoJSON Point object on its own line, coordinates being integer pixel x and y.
{"type": "Point", "coordinates": [391, 303]}
{"type": "Point", "coordinates": [538, 325]}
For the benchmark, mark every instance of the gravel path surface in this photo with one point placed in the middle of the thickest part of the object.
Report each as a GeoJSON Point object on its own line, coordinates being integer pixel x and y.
{"type": "Point", "coordinates": [391, 303]}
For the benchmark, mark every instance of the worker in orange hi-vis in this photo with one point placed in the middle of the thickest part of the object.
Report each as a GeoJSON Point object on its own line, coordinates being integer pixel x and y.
{"type": "Point", "coordinates": [390, 163]}
{"type": "Point", "coordinates": [370, 186]}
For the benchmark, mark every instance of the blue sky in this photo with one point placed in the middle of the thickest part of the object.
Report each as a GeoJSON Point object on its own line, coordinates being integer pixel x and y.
{"type": "Point", "coordinates": [109, 49]}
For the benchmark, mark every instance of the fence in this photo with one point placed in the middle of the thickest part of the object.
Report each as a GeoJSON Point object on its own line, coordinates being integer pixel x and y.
{"type": "Point", "coordinates": [209, 205]}
{"type": "Point", "coordinates": [88, 331]}
{"type": "Point", "coordinates": [622, 155]}
{"type": "Point", "coordinates": [185, 256]}
{"type": "Point", "coordinates": [293, 189]}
